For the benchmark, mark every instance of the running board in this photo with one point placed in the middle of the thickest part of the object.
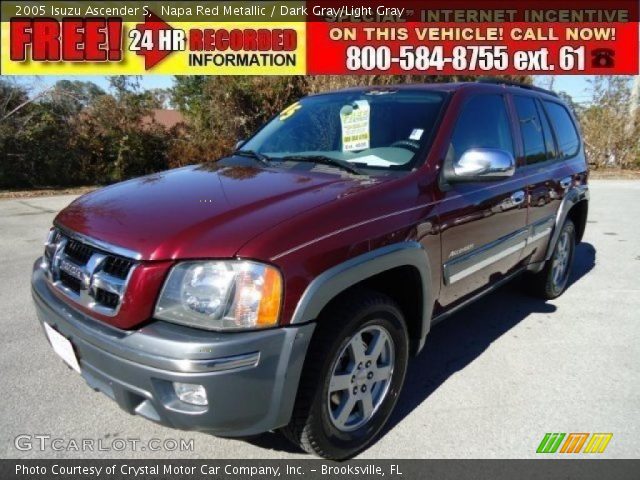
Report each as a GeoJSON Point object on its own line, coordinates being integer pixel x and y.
{"type": "Point", "coordinates": [477, 296]}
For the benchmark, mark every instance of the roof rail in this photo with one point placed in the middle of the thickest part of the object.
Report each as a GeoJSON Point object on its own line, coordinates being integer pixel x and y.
{"type": "Point", "coordinates": [510, 83]}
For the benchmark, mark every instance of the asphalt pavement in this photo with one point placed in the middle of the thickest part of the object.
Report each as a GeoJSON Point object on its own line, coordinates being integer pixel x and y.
{"type": "Point", "coordinates": [491, 382]}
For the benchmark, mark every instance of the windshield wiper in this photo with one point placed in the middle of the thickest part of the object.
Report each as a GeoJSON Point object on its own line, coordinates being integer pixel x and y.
{"type": "Point", "coordinates": [261, 157]}
{"type": "Point", "coordinates": [324, 160]}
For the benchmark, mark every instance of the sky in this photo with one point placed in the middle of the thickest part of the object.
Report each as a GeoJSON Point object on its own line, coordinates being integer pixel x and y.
{"type": "Point", "coordinates": [575, 85]}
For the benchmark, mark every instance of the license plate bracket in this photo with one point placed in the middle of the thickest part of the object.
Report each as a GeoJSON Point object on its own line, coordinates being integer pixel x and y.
{"type": "Point", "coordinates": [63, 347]}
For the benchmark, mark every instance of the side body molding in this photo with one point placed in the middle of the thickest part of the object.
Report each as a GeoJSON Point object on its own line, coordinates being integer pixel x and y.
{"type": "Point", "coordinates": [330, 283]}
{"type": "Point", "coordinates": [573, 196]}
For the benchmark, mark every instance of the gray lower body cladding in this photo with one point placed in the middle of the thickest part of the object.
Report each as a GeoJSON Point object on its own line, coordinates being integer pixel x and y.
{"type": "Point", "coordinates": [251, 378]}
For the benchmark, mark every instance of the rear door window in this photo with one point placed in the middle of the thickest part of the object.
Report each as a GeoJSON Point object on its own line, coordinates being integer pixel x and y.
{"type": "Point", "coordinates": [566, 133]}
{"type": "Point", "coordinates": [483, 123]}
{"type": "Point", "coordinates": [535, 149]}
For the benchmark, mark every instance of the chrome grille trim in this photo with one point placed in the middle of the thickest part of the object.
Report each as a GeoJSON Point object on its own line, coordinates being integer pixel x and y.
{"type": "Point", "coordinates": [86, 283]}
{"type": "Point", "coordinates": [99, 245]}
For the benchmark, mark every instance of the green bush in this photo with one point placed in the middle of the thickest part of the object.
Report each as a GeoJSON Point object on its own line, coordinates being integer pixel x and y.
{"type": "Point", "coordinates": [77, 134]}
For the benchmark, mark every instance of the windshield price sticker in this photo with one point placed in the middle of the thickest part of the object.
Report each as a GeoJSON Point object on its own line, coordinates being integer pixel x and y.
{"type": "Point", "coordinates": [355, 126]}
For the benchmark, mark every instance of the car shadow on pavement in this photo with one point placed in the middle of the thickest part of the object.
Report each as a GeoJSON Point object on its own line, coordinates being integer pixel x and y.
{"type": "Point", "coordinates": [457, 341]}
{"type": "Point", "coordinates": [460, 339]}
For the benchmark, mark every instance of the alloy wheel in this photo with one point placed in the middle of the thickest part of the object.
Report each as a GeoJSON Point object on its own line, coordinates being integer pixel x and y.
{"type": "Point", "coordinates": [360, 378]}
{"type": "Point", "coordinates": [561, 258]}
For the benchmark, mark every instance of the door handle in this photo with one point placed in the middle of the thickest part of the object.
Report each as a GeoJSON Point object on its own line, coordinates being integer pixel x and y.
{"type": "Point", "coordinates": [513, 201]}
{"type": "Point", "coordinates": [518, 197]}
{"type": "Point", "coordinates": [566, 182]}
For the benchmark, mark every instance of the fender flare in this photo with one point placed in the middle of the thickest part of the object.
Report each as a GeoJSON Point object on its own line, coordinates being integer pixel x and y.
{"type": "Point", "coordinates": [573, 196]}
{"type": "Point", "coordinates": [337, 279]}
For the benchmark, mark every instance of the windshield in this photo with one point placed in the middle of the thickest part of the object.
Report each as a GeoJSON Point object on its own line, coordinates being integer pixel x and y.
{"type": "Point", "coordinates": [380, 130]}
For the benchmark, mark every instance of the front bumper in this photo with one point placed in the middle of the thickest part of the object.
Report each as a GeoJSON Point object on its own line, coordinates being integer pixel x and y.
{"type": "Point", "coordinates": [251, 378]}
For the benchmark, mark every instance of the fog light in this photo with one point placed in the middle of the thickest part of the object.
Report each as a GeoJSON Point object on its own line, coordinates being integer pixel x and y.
{"type": "Point", "coordinates": [191, 393]}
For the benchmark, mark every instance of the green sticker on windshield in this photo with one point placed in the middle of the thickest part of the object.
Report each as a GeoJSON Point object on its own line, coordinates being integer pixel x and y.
{"type": "Point", "coordinates": [290, 110]}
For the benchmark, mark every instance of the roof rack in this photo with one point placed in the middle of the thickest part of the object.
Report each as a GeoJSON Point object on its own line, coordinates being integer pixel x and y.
{"type": "Point", "coordinates": [499, 81]}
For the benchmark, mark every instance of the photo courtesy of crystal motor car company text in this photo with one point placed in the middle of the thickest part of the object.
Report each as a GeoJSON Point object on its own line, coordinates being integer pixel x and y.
{"type": "Point", "coordinates": [319, 231]}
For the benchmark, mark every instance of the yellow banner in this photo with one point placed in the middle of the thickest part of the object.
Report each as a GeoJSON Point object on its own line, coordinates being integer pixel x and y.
{"type": "Point", "coordinates": [40, 45]}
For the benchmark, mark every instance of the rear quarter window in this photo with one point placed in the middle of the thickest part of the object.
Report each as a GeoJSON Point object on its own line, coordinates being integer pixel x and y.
{"type": "Point", "coordinates": [566, 133]}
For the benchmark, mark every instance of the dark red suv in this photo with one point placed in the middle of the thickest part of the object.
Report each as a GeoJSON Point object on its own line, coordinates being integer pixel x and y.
{"type": "Point", "coordinates": [286, 286]}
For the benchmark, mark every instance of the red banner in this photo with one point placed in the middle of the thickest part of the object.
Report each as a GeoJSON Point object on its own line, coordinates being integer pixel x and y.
{"type": "Point", "coordinates": [455, 37]}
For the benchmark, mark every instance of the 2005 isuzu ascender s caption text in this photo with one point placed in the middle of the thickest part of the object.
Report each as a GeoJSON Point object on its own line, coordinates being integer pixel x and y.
{"type": "Point", "coordinates": [286, 286]}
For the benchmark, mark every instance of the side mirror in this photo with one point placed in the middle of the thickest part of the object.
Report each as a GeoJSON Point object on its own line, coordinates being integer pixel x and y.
{"type": "Point", "coordinates": [239, 143]}
{"type": "Point", "coordinates": [479, 164]}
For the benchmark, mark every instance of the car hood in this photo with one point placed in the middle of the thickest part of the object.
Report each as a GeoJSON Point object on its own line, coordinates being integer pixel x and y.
{"type": "Point", "coordinates": [202, 211]}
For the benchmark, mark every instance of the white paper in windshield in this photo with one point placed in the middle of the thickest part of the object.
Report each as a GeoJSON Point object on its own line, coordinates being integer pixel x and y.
{"type": "Point", "coordinates": [355, 126]}
{"type": "Point", "coordinates": [372, 161]}
{"type": "Point", "coordinates": [416, 134]}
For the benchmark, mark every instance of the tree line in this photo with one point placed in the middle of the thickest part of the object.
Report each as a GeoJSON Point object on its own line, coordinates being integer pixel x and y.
{"type": "Point", "coordinates": [76, 133]}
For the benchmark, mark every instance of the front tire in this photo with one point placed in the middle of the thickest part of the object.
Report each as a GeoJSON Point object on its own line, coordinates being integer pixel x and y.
{"type": "Point", "coordinates": [353, 374]}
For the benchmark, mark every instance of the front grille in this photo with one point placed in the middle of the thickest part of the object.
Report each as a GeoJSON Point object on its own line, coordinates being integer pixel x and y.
{"type": "Point", "coordinates": [108, 299]}
{"type": "Point", "coordinates": [91, 276]}
{"type": "Point", "coordinates": [52, 241]}
{"type": "Point", "coordinates": [78, 252]}
{"type": "Point", "coordinates": [70, 282]}
{"type": "Point", "coordinates": [117, 266]}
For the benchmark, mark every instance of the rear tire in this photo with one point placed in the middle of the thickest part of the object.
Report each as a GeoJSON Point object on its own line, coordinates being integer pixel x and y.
{"type": "Point", "coordinates": [552, 281]}
{"type": "Point", "coordinates": [352, 376]}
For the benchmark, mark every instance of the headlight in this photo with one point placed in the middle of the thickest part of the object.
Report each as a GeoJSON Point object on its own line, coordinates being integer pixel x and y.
{"type": "Point", "coordinates": [221, 295]}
